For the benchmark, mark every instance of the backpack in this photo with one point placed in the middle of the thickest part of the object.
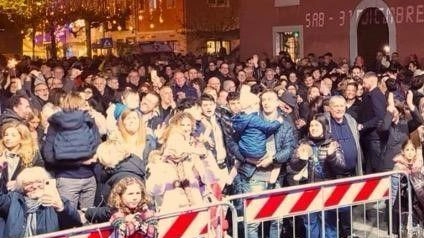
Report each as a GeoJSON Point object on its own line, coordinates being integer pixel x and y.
{"type": "Point", "coordinates": [76, 144]}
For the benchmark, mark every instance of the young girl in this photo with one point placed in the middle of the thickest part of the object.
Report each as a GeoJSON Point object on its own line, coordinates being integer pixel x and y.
{"type": "Point", "coordinates": [130, 200]}
{"type": "Point", "coordinates": [410, 161]}
{"type": "Point", "coordinates": [408, 158]}
{"type": "Point", "coordinates": [187, 165]}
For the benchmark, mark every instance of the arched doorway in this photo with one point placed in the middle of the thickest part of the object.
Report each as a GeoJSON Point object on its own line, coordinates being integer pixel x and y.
{"type": "Point", "coordinates": [372, 34]}
{"type": "Point", "coordinates": [354, 23]}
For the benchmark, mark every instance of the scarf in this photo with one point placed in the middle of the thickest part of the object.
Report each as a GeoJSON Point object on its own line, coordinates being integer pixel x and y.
{"type": "Point", "coordinates": [183, 181]}
{"type": "Point", "coordinates": [31, 214]}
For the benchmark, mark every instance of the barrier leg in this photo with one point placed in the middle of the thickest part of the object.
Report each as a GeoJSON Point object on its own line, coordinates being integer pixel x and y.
{"type": "Point", "coordinates": [378, 219]}
{"type": "Point", "coordinates": [351, 221]}
{"type": "Point", "coordinates": [391, 203]}
{"type": "Point", "coordinates": [365, 219]}
{"type": "Point", "coordinates": [409, 224]}
{"type": "Point", "coordinates": [323, 218]}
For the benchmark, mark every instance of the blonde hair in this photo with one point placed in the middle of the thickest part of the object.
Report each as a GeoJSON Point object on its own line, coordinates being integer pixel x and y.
{"type": "Point", "coordinates": [173, 124]}
{"type": "Point", "coordinates": [141, 132]}
{"type": "Point", "coordinates": [72, 102]}
{"type": "Point", "coordinates": [110, 153]}
{"type": "Point", "coordinates": [31, 174]}
{"type": "Point", "coordinates": [115, 199]}
{"type": "Point", "coordinates": [34, 114]}
{"type": "Point", "coordinates": [27, 147]}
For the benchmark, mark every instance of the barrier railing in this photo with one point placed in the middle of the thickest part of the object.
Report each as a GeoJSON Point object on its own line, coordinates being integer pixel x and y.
{"type": "Point", "coordinates": [316, 201]}
{"type": "Point", "coordinates": [185, 223]}
{"type": "Point", "coordinates": [308, 203]}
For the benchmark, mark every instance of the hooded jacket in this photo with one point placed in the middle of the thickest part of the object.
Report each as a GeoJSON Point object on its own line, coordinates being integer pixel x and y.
{"type": "Point", "coordinates": [72, 137]}
{"type": "Point", "coordinates": [131, 166]}
{"type": "Point", "coordinates": [10, 116]}
{"type": "Point", "coordinates": [253, 131]}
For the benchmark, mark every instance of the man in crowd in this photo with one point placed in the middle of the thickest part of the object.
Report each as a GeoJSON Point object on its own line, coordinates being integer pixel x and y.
{"type": "Point", "coordinates": [19, 110]}
{"type": "Point", "coordinates": [371, 112]}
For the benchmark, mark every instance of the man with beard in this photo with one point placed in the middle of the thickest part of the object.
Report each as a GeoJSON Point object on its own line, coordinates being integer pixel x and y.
{"type": "Point", "coordinates": [18, 110]}
{"type": "Point", "coordinates": [371, 112]}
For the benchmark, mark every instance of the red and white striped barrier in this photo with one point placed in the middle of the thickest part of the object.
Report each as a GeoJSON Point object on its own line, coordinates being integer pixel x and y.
{"type": "Point", "coordinates": [195, 222]}
{"type": "Point", "coordinates": [315, 198]}
{"type": "Point", "coordinates": [188, 225]}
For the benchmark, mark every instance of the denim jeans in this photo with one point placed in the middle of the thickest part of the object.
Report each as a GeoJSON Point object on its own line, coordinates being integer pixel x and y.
{"type": "Point", "coordinates": [313, 225]}
{"type": "Point", "coordinates": [252, 228]}
{"type": "Point", "coordinates": [78, 191]}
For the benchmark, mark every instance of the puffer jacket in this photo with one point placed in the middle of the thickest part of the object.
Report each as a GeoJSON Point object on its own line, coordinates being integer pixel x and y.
{"type": "Point", "coordinates": [10, 116]}
{"type": "Point", "coordinates": [321, 165]}
{"type": "Point", "coordinates": [131, 166]}
{"type": "Point", "coordinates": [253, 131]}
{"type": "Point", "coordinates": [82, 127]}
{"type": "Point", "coordinates": [285, 143]}
{"type": "Point", "coordinates": [74, 145]}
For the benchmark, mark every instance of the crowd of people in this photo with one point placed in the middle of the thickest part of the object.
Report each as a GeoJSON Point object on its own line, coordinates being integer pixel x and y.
{"type": "Point", "coordinates": [120, 139]}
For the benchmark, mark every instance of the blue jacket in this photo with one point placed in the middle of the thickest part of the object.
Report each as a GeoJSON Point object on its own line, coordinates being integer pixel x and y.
{"type": "Point", "coordinates": [285, 143]}
{"type": "Point", "coordinates": [253, 131]}
{"type": "Point", "coordinates": [80, 127]}
{"type": "Point", "coordinates": [13, 206]}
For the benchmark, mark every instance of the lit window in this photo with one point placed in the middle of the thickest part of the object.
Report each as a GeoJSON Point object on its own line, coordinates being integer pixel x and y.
{"type": "Point", "coordinates": [288, 42]}
{"type": "Point", "coordinates": [216, 46]}
{"type": "Point", "coordinates": [153, 4]}
{"type": "Point", "coordinates": [170, 4]}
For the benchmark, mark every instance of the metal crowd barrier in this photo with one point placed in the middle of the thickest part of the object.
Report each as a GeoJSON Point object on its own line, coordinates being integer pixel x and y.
{"type": "Point", "coordinates": [315, 203]}
{"type": "Point", "coordinates": [185, 223]}
{"type": "Point", "coordinates": [310, 203]}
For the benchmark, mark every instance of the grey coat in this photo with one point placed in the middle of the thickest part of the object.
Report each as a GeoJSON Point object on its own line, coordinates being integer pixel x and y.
{"type": "Point", "coordinates": [353, 125]}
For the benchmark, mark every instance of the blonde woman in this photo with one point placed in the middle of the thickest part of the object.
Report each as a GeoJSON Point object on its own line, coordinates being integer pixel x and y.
{"type": "Point", "coordinates": [34, 126]}
{"type": "Point", "coordinates": [18, 151]}
{"type": "Point", "coordinates": [133, 133]}
{"type": "Point", "coordinates": [70, 145]}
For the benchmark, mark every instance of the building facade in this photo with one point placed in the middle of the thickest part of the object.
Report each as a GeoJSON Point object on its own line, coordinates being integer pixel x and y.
{"type": "Point", "coordinates": [198, 26]}
{"type": "Point", "coordinates": [345, 28]}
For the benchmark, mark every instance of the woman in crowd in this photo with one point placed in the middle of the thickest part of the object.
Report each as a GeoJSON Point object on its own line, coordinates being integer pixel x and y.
{"type": "Point", "coordinates": [35, 127]}
{"type": "Point", "coordinates": [318, 158]}
{"type": "Point", "coordinates": [18, 151]}
{"type": "Point", "coordinates": [187, 164]}
{"type": "Point", "coordinates": [132, 132]}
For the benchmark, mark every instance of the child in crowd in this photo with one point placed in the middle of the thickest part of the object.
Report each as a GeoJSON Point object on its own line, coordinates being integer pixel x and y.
{"type": "Point", "coordinates": [190, 170]}
{"type": "Point", "coordinates": [409, 161]}
{"type": "Point", "coordinates": [130, 200]}
{"type": "Point", "coordinates": [253, 132]}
